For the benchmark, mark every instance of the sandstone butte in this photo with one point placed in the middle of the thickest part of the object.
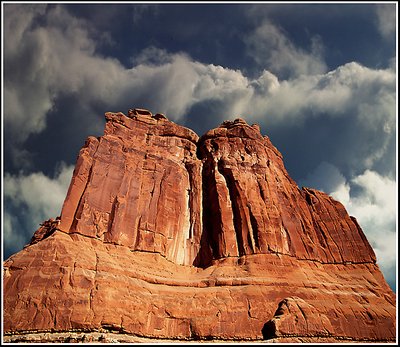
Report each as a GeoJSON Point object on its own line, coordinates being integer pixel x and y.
{"type": "Point", "coordinates": [165, 236]}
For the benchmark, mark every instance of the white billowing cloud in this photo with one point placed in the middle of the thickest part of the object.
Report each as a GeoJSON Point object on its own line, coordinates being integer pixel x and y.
{"type": "Point", "coordinates": [386, 19]}
{"type": "Point", "coordinates": [173, 83]}
{"type": "Point", "coordinates": [371, 198]}
{"type": "Point", "coordinates": [375, 209]}
{"type": "Point", "coordinates": [42, 194]}
{"type": "Point", "coordinates": [36, 197]}
{"type": "Point", "coordinates": [273, 50]}
{"type": "Point", "coordinates": [376, 204]}
{"type": "Point", "coordinates": [347, 88]}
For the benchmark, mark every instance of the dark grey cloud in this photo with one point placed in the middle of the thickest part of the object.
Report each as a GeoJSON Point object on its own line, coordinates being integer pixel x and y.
{"type": "Point", "coordinates": [349, 32]}
{"type": "Point", "coordinates": [271, 49]}
{"type": "Point", "coordinates": [386, 20]}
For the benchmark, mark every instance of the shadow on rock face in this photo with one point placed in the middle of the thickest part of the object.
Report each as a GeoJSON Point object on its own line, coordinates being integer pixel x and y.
{"type": "Point", "coordinates": [269, 330]}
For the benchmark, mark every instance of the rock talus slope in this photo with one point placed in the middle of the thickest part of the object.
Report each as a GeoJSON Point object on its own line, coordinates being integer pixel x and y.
{"type": "Point", "coordinates": [167, 236]}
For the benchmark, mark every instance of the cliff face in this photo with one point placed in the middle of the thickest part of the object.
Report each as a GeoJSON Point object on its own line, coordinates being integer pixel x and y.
{"type": "Point", "coordinates": [254, 207]}
{"type": "Point", "coordinates": [166, 235]}
{"type": "Point", "coordinates": [138, 186]}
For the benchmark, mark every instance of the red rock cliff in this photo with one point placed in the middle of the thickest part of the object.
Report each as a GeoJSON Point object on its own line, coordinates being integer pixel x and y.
{"type": "Point", "coordinates": [165, 235]}
{"type": "Point", "coordinates": [252, 206]}
{"type": "Point", "coordinates": [138, 186]}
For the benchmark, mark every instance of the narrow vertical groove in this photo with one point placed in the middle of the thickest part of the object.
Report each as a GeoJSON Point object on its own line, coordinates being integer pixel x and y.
{"type": "Point", "coordinates": [254, 227]}
{"type": "Point", "coordinates": [190, 199]}
{"type": "Point", "coordinates": [194, 167]}
{"type": "Point", "coordinates": [217, 215]}
{"type": "Point", "coordinates": [208, 246]}
{"type": "Point", "coordinates": [111, 216]}
{"type": "Point", "coordinates": [213, 211]}
{"type": "Point", "coordinates": [190, 209]}
{"type": "Point", "coordinates": [237, 218]}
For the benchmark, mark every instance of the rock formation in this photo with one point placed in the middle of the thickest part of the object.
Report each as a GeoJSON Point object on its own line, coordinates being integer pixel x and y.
{"type": "Point", "coordinates": [166, 236]}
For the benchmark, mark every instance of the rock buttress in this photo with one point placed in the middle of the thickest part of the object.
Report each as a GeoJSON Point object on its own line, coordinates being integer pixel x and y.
{"type": "Point", "coordinates": [138, 186]}
{"type": "Point", "coordinates": [252, 206]}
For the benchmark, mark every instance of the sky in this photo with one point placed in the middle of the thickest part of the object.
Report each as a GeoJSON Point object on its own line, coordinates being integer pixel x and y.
{"type": "Point", "coordinates": [319, 79]}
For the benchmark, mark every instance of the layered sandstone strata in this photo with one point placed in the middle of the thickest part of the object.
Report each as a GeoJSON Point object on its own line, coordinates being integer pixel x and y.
{"type": "Point", "coordinates": [165, 235]}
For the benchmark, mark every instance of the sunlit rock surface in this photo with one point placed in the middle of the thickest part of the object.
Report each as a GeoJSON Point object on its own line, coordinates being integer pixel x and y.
{"type": "Point", "coordinates": [166, 236]}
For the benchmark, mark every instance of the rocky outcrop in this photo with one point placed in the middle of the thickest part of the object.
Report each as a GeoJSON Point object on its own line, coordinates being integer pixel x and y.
{"type": "Point", "coordinates": [137, 186]}
{"type": "Point", "coordinates": [165, 235]}
{"type": "Point", "coordinates": [254, 207]}
{"type": "Point", "coordinates": [46, 229]}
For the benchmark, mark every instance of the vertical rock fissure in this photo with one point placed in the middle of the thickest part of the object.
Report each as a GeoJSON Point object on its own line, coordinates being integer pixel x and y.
{"type": "Point", "coordinates": [263, 197]}
{"type": "Point", "coordinates": [254, 227]}
{"type": "Point", "coordinates": [190, 199]}
{"type": "Point", "coordinates": [159, 188]}
{"type": "Point", "coordinates": [137, 236]}
{"type": "Point", "coordinates": [287, 237]}
{"type": "Point", "coordinates": [190, 208]}
{"type": "Point", "coordinates": [211, 211]}
{"type": "Point", "coordinates": [236, 212]}
{"type": "Point", "coordinates": [111, 216]}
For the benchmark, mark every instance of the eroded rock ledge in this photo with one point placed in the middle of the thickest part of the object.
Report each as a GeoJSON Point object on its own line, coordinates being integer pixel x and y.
{"type": "Point", "coordinates": [166, 235]}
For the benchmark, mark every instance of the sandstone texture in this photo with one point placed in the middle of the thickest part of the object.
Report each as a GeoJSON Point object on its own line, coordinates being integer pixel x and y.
{"type": "Point", "coordinates": [165, 236]}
